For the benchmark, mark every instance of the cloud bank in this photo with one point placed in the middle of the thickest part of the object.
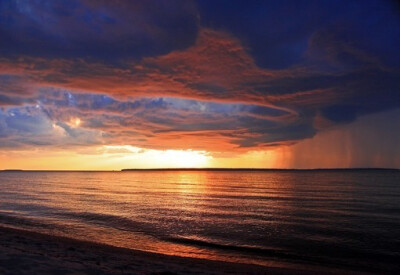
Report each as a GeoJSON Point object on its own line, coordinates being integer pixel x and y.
{"type": "Point", "coordinates": [220, 77]}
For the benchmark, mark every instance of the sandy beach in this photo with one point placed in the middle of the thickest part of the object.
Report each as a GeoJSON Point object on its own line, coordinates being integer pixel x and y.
{"type": "Point", "coordinates": [23, 252]}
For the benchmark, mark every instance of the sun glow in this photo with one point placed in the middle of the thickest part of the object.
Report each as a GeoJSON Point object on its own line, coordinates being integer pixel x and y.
{"type": "Point", "coordinates": [76, 122]}
{"type": "Point", "coordinates": [182, 158]}
{"type": "Point", "coordinates": [106, 158]}
{"type": "Point", "coordinates": [135, 157]}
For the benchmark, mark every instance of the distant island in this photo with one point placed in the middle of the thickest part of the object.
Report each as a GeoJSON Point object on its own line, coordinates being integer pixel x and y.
{"type": "Point", "coordinates": [254, 169]}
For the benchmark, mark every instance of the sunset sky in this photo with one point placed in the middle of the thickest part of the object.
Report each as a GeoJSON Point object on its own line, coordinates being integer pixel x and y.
{"type": "Point", "coordinates": [149, 84]}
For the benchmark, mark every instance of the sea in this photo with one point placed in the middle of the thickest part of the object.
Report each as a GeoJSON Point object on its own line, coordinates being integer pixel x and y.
{"type": "Point", "coordinates": [318, 219]}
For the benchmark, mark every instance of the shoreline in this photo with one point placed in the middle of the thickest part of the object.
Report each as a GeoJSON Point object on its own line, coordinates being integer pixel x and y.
{"type": "Point", "coordinates": [27, 252]}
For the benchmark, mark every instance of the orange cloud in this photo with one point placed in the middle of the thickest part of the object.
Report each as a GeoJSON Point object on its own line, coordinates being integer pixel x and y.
{"type": "Point", "coordinates": [216, 68]}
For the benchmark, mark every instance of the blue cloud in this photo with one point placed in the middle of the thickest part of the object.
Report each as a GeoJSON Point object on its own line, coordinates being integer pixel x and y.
{"type": "Point", "coordinates": [101, 30]}
{"type": "Point", "coordinates": [277, 33]}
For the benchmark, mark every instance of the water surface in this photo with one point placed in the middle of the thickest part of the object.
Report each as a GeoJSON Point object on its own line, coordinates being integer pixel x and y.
{"type": "Point", "coordinates": [339, 219]}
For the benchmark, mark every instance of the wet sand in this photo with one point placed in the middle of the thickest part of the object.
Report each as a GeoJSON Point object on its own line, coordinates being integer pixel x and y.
{"type": "Point", "coordinates": [24, 252]}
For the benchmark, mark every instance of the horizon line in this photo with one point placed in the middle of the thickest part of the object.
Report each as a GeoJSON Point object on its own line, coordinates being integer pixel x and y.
{"type": "Point", "coordinates": [198, 169]}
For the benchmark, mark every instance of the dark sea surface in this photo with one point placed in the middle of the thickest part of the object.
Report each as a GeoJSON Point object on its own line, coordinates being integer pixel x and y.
{"type": "Point", "coordinates": [321, 219]}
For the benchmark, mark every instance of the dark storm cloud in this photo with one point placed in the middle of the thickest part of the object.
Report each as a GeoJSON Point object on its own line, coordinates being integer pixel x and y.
{"type": "Point", "coordinates": [278, 33]}
{"type": "Point", "coordinates": [211, 74]}
{"type": "Point", "coordinates": [95, 29]}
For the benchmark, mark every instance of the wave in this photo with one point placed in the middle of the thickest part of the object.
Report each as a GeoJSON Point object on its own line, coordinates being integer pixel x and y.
{"type": "Point", "coordinates": [343, 258]}
{"type": "Point", "coordinates": [262, 251]}
{"type": "Point", "coordinates": [12, 220]}
{"type": "Point", "coordinates": [103, 218]}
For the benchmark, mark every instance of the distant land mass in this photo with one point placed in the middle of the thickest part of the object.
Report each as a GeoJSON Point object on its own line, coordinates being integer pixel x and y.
{"type": "Point", "coordinates": [255, 169]}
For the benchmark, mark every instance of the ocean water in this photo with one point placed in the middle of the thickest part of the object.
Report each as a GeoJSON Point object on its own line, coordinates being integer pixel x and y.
{"type": "Point", "coordinates": [320, 219]}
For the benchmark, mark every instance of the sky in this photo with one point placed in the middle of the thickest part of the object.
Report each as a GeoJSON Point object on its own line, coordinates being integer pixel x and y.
{"type": "Point", "coordinates": [107, 85]}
